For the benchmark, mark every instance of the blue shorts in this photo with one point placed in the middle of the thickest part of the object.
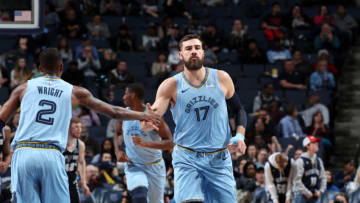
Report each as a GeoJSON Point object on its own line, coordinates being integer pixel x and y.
{"type": "Point", "coordinates": [38, 176]}
{"type": "Point", "coordinates": [152, 177]}
{"type": "Point", "coordinates": [204, 177]}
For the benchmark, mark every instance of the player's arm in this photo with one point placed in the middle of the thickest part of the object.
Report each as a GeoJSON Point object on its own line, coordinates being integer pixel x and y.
{"type": "Point", "coordinates": [164, 95]}
{"type": "Point", "coordinates": [235, 106]}
{"type": "Point", "coordinates": [84, 97]}
{"type": "Point", "coordinates": [82, 168]}
{"type": "Point", "coordinates": [120, 155]}
{"type": "Point", "coordinates": [12, 104]}
{"type": "Point", "coordinates": [7, 152]}
{"type": "Point", "coordinates": [165, 144]}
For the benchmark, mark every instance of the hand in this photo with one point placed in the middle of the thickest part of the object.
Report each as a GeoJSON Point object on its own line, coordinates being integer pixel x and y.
{"type": "Point", "coordinates": [137, 140]}
{"type": "Point", "coordinates": [147, 126]}
{"type": "Point", "coordinates": [86, 190]}
{"type": "Point", "coordinates": [317, 193]}
{"type": "Point", "coordinates": [309, 196]}
{"type": "Point", "coordinates": [3, 166]}
{"type": "Point", "coordinates": [347, 178]}
{"type": "Point", "coordinates": [6, 130]}
{"type": "Point", "coordinates": [121, 157]}
{"type": "Point", "coordinates": [152, 117]}
{"type": "Point", "coordinates": [240, 147]}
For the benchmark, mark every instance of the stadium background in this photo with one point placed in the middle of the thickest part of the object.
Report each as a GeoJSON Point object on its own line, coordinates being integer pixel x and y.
{"type": "Point", "coordinates": [137, 41]}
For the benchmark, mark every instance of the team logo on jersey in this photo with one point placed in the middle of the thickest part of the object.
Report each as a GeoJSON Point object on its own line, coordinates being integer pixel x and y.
{"type": "Point", "coordinates": [198, 99]}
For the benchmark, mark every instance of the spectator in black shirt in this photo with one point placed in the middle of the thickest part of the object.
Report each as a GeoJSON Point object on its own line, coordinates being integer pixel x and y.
{"type": "Point", "coordinates": [290, 78]}
{"type": "Point", "coordinates": [212, 38]}
{"type": "Point", "coordinates": [4, 77]}
{"type": "Point", "coordinates": [273, 22]}
{"type": "Point", "coordinates": [302, 65]}
{"type": "Point", "coordinates": [123, 40]}
{"type": "Point", "coordinates": [239, 36]}
{"type": "Point", "coordinates": [175, 8]}
{"type": "Point", "coordinates": [108, 61]}
{"type": "Point", "coordinates": [73, 75]}
{"type": "Point", "coordinates": [71, 25]}
{"type": "Point", "coordinates": [253, 54]}
{"type": "Point", "coordinates": [120, 77]}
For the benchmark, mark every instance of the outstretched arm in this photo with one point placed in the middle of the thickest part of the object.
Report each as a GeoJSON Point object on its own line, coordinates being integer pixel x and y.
{"type": "Point", "coordinates": [166, 93]}
{"type": "Point", "coordinates": [84, 97]}
{"type": "Point", "coordinates": [165, 144]}
{"type": "Point", "coordinates": [12, 104]}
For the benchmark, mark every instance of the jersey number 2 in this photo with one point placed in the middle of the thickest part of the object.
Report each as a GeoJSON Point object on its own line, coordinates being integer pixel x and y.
{"type": "Point", "coordinates": [41, 113]}
{"type": "Point", "coordinates": [197, 110]}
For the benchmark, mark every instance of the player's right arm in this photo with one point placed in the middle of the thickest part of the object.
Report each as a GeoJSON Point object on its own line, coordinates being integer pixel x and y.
{"type": "Point", "coordinates": [12, 104]}
{"type": "Point", "coordinates": [84, 97]}
{"type": "Point", "coordinates": [166, 93]}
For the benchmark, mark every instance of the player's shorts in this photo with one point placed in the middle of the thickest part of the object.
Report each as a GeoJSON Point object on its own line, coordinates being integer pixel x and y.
{"type": "Point", "coordinates": [206, 177]}
{"type": "Point", "coordinates": [73, 188]}
{"type": "Point", "coordinates": [38, 176]}
{"type": "Point", "coordinates": [151, 176]}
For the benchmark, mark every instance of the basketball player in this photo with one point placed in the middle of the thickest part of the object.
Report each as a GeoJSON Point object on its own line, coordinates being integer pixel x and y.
{"type": "Point", "coordinates": [310, 179]}
{"type": "Point", "coordinates": [75, 161]}
{"type": "Point", "coordinates": [279, 174]}
{"type": "Point", "coordinates": [38, 170]}
{"type": "Point", "coordinates": [199, 97]}
{"type": "Point", "coordinates": [145, 169]}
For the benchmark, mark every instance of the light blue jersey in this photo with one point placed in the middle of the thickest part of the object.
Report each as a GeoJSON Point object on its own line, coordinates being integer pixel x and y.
{"type": "Point", "coordinates": [135, 153]}
{"type": "Point", "coordinates": [45, 112]}
{"type": "Point", "coordinates": [145, 167]}
{"type": "Point", "coordinates": [200, 114]}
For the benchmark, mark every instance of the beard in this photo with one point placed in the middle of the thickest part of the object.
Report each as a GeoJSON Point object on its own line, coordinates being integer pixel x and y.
{"type": "Point", "coordinates": [194, 64]}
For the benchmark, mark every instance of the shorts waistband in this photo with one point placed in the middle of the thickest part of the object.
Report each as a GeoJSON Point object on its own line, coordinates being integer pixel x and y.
{"type": "Point", "coordinates": [154, 162]}
{"type": "Point", "coordinates": [191, 150]}
{"type": "Point", "coordinates": [36, 145]}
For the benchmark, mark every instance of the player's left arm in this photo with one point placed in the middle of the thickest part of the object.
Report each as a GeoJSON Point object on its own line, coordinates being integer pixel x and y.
{"type": "Point", "coordinates": [234, 104]}
{"type": "Point", "coordinates": [12, 104]}
{"type": "Point", "coordinates": [82, 168]}
{"type": "Point", "coordinates": [7, 152]}
{"type": "Point", "coordinates": [166, 142]}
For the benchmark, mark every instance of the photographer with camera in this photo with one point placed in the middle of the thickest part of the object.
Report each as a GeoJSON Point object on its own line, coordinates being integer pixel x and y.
{"type": "Point", "coordinates": [327, 39]}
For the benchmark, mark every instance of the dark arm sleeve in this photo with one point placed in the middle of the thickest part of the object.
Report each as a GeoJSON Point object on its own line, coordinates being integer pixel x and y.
{"type": "Point", "coordinates": [237, 110]}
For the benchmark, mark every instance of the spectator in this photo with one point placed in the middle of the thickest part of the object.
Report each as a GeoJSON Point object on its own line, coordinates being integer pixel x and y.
{"type": "Point", "coordinates": [279, 174]}
{"type": "Point", "coordinates": [259, 193]}
{"type": "Point", "coordinates": [251, 152]}
{"type": "Point", "coordinates": [151, 7]}
{"type": "Point", "coordinates": [98, 29]}
{"type": "Point", "coordinates": [290, 78]}
{"type": "Point", "coordinates": [177, 69]}
{"type": "Point", "coordinates": [326, 39]}
{"type": "Point", "coordinates": [172, 39]}
{"type": "Point", "coordinates": [110, 7]}
{"type": "Point", "coordinates": [253, 54]}
{"type": "Point", "coordinates": [65, 51]}
{"type": "Point", "coordinates": [161, 67]}
{"type": "Point", "coordinates": [324, 55]}
{"type": "Point", "coordinates": [123, 40]}
{"type": "Point", "coordinates": [88, 63]}
{"type": "Point", "coordinates": [87, 116]}
{"type": "Point", "coordinates": [109, 174]}
{"type": "Point", "coordinates": [73, 75]}
{"type": "Point", "coordinates": [273, 22]}
{"type": "Point", "coordinates": [120, 77]}
{"type": "Point", "coordinates": [210, 58]}
{"type": "Point", "coordinates": [239, 36]}
{"type": "Point", "coordinates": [51, 18]}
{"type": "Point", "coordinates": [265, 98]}
{"type": "Point", "coordinates": [4, 77]}
{"type": "Point", "coordinates": [151, 40]}
{"type": "Point", "coordinates": [322, 78]}
{"type": "Point", "coordinates": [264, 125]}
{"type": "Point", "coordinates": [310, 179]}
{"type": "Point", "coordinates": [297, 154]}
{"type": "Point", "coordinates": [318, 128]}
{"type": "Point", "coordinates": [92, 176]}
{"type": "Point", "coordinates": [194, 26]}
{"type": "Point", "coordinates": [212, 38]}
{"type": "Point", "coordinates": [173, 58]}
{"type": "Point", "coordinates": [274, 146]}
{"type": "Point", "coordinates": [246, 184]}
{"type": "Point", "coordinates": [275, 112]}
{"type": "Point", "coordinates": [278, 52]}
{"type": "Point", "coordinates": [71, 26]}
{"type": "Point", "coordinates": [323, 13]}
{"type": "Point", "coordinates": [315, 106]}
{"type": "Point", "coordinates": [106, 146]}
{"type": "Point", "coordinates": [85, 42]}
{"type": "Point", "coordinates": [345, 22]}
{"type": "Point", "coordinates": [175, 8]}
{"type": "Point", "coordinates": [330, 183]}
{"type": "Point", "coordinates": [108, 61]}
{"type": "Point", "coordinates": [239, 171]}
{"type": "Point", "coordinates": [19, 73]}
{"type": "Point", "coordinates": [340, 197]}
{"type": "Point", "coordinates": [289, 125]}
{"type": "Point", "coordinates": [262, 157]}
{"type": "Point", "coordinates": [302, 65]}
{"type": "Point", "coordinates": [343, 177]}
{"type": "Point", "coordinates": [298, 20]}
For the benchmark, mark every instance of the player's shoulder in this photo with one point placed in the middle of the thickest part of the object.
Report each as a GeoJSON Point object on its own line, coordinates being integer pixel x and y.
{"type": "Point", "coordinates": [223, 75]}
{"type": "Point", "coordinates": [81, 144]}
{"type": "Point", "coordinates": [169, 83]}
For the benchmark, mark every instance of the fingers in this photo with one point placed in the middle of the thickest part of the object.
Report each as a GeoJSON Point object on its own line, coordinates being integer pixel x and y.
{"type": "Point", "coordinates": [148, 106]}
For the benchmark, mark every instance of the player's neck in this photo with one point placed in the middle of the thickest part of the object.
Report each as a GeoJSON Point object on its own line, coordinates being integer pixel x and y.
{"type": "Point", "coordinates": [138, 106]}
{"type": "Point", "coordinates": [195, 76]}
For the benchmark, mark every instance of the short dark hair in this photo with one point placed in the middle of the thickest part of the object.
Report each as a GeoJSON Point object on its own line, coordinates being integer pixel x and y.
{"type": "Point", "coordinates": [138, 89]}
{"type": "Point", "coordinates": [190, 37]}
{"type": "Point", "coordinates": [276, 3]}
{"type": "Point", "coordinates": [291, 108]}
{"type": "Point", "coordinates": [50, 59]}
